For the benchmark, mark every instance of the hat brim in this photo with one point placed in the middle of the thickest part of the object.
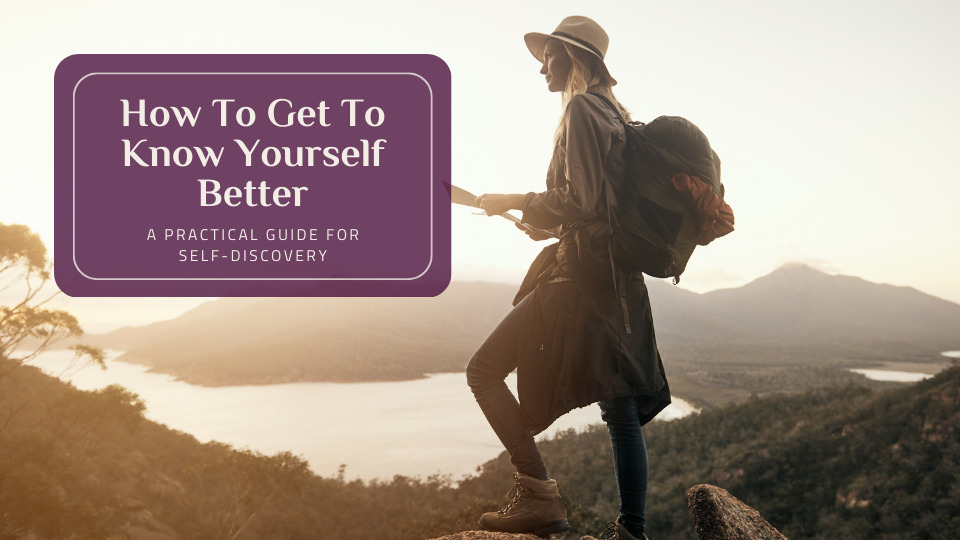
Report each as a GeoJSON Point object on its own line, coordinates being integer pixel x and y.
{"type": "Point", "coordinates": [537, 42]}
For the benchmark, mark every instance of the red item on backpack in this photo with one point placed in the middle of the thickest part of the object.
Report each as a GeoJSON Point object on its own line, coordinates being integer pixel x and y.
{"type": "Point", "coordinates": [714, 216]}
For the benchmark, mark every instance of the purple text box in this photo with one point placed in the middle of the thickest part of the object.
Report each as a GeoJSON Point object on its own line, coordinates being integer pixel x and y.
{"type": "Point", "coordinates": [252, 175]}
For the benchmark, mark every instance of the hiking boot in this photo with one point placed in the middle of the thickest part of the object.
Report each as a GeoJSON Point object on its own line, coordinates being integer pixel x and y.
{"type": "Point", "coordinates": [614, 531]}
{"type": "Point", "coordinates": [535, 507]}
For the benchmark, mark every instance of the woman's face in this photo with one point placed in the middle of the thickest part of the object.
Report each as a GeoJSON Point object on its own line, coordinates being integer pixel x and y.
{"type": "Point", "coordinates": [556, 66]}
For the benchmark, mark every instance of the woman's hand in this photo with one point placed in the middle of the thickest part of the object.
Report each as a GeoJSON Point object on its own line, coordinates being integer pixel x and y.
{"type": "Point", "coordinates": [495, 204]}
{"type": "Point", "coordinates": [535, 234]}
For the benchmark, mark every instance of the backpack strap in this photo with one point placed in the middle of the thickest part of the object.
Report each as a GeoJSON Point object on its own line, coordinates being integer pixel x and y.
{"type": "Point", "coordinates": [619, 280]}
{"type": "Point", "coordinates": [610, 105]}
{"type": "Point", "coordinates": [619, 287]}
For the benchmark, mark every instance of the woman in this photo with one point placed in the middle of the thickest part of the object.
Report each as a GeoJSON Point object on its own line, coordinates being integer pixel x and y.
{"type": "Point", "coordinates": [567, 335]}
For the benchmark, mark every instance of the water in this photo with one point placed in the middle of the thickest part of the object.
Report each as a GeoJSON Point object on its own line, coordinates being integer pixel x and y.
{"type": "Point", "coordinates": [904, 376]}
{"type": "Point", "coordinates": [890, 375]}
{"type": "Point", "coordinates": [413, 428]}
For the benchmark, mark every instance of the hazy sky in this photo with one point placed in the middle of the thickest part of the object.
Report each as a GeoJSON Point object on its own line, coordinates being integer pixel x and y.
{"type": "Point", "coordinates": [835, 121]}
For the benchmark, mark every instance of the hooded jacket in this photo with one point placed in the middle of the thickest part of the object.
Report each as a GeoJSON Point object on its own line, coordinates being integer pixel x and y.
{"type": "Point", "coordinates": [575, 350]}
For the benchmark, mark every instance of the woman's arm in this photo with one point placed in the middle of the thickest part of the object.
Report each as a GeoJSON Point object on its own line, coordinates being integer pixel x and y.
{"type": "Point", "coordinates": [588, 140]}
{"type": "Point", "coordinates": [495, 203]}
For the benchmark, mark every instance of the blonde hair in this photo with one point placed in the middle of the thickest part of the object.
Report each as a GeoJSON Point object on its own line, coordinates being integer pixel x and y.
{"type": "Point", "coordinates": [587, 74]}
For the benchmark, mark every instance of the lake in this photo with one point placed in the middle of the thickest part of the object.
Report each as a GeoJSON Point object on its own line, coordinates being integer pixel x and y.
{"type": "Point", "coordinates": [891, 375]}
{"type": "Point", "coordinates": [891, 371]}
{"type": "Point", "coordinates": [413, 428]}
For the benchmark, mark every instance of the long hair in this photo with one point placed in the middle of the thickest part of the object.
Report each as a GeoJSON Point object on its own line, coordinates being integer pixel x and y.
{"type": "Point", "coordinates": [587, 74]}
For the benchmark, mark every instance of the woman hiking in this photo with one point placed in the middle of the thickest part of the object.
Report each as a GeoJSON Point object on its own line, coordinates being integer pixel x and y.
{"type": "Point", "coordinates": [567, 336]}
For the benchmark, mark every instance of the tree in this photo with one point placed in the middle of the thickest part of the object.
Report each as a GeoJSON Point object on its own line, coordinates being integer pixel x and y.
{"type": "Point", "coordinates": [243, 483]}
{"type": "Point", "coordinates": [27, 328]}
{"type": "Point", "coordinates": [34, 465]}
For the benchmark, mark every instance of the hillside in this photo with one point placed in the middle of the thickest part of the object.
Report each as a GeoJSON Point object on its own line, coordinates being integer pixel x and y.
{"type": "Point", "coordinates": [805, 310]}
{"type": "Point", "coordinates": [794, 329]}
{"type": "Point", "coordinates": [837, 462]}
{"type": "Point", "coordinates": [77, 464]}
{"type": "Point", "coordinates": [270, 340]}
{"type": "Point", "coordinates": [841, 462]}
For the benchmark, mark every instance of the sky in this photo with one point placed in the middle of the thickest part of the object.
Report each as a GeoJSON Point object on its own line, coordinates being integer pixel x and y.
{"type": "Point", "coordinates": [835, 121]}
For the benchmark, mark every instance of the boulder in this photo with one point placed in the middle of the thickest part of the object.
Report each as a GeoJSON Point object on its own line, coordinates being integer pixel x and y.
{"type": "Point", "coordinates": [487, 535]}
{"type": "Point", "coordinates": [718, 515]}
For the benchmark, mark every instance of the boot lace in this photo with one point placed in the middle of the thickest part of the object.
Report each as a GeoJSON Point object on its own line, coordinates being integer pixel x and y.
{"type": "Point", "coordinates": [610, 532]}
{"type": "Point", "coordinates": [515, 495]}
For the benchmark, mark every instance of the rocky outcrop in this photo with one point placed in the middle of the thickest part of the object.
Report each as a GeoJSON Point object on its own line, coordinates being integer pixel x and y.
{"type": "Point", "coordinates": [487, 535]}
{"type": "Point", "coordinates": [718, 515]}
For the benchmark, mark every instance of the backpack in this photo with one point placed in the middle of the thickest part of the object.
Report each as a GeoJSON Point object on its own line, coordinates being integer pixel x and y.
{"type": "Point", "coordinates": [669, 200]}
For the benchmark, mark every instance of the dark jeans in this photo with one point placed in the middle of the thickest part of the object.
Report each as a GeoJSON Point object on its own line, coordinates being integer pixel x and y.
{"type": "Point", "coordinates": [486, 372]}
{"type": "Point", "coordinates": [488, 368]}
{"type": "Point", "coordinates": [629, 460]}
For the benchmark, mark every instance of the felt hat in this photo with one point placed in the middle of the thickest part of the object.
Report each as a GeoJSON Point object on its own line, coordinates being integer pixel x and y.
{"type": "Point", "coordinates": [578, 31]}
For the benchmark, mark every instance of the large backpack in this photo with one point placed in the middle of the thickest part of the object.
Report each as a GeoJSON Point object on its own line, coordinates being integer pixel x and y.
{"type": "Point", "coordinates": [669, 200]}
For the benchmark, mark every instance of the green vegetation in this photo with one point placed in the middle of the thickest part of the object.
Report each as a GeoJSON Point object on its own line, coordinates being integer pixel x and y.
{"type": "Point", "coordinates": [840, 462]}
{"type": "Point", "coordinates": [712, 385]}
{"type": "Point", "coordinates": [27, 328]}
{"type": "Point", "coordinates": [77, 464]}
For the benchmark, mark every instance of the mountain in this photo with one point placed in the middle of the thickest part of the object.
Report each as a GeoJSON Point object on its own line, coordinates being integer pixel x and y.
{"type": "Point", "coordinates": [808, 310]}
{"type": "Point", "coordinates": [798, 304]}
{"type": "Point", "coordinates": [790, 330]}
{"type": "Point", "coordinates": [795, 329]}
{"type": "Point", "coordinates": [269, 340]}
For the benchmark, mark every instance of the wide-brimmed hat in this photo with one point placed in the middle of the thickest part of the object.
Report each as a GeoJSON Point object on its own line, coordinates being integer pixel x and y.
{"type": "Point", "coordinates": [578, 31]}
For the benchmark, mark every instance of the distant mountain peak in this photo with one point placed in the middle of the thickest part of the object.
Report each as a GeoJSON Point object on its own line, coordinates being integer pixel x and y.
{"type": "Point", "coordinates": [790, 275]}
{"type": "Point", "coordinates": [797, 267]}
{"type": "Point", "coordinates": [795, 264]}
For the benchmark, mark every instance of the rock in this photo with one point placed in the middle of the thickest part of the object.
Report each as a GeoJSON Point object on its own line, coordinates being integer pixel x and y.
{"type": "Point", "coordinates": [718, 515]}
{"type": "Point", "coordinates": [487, 535]}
